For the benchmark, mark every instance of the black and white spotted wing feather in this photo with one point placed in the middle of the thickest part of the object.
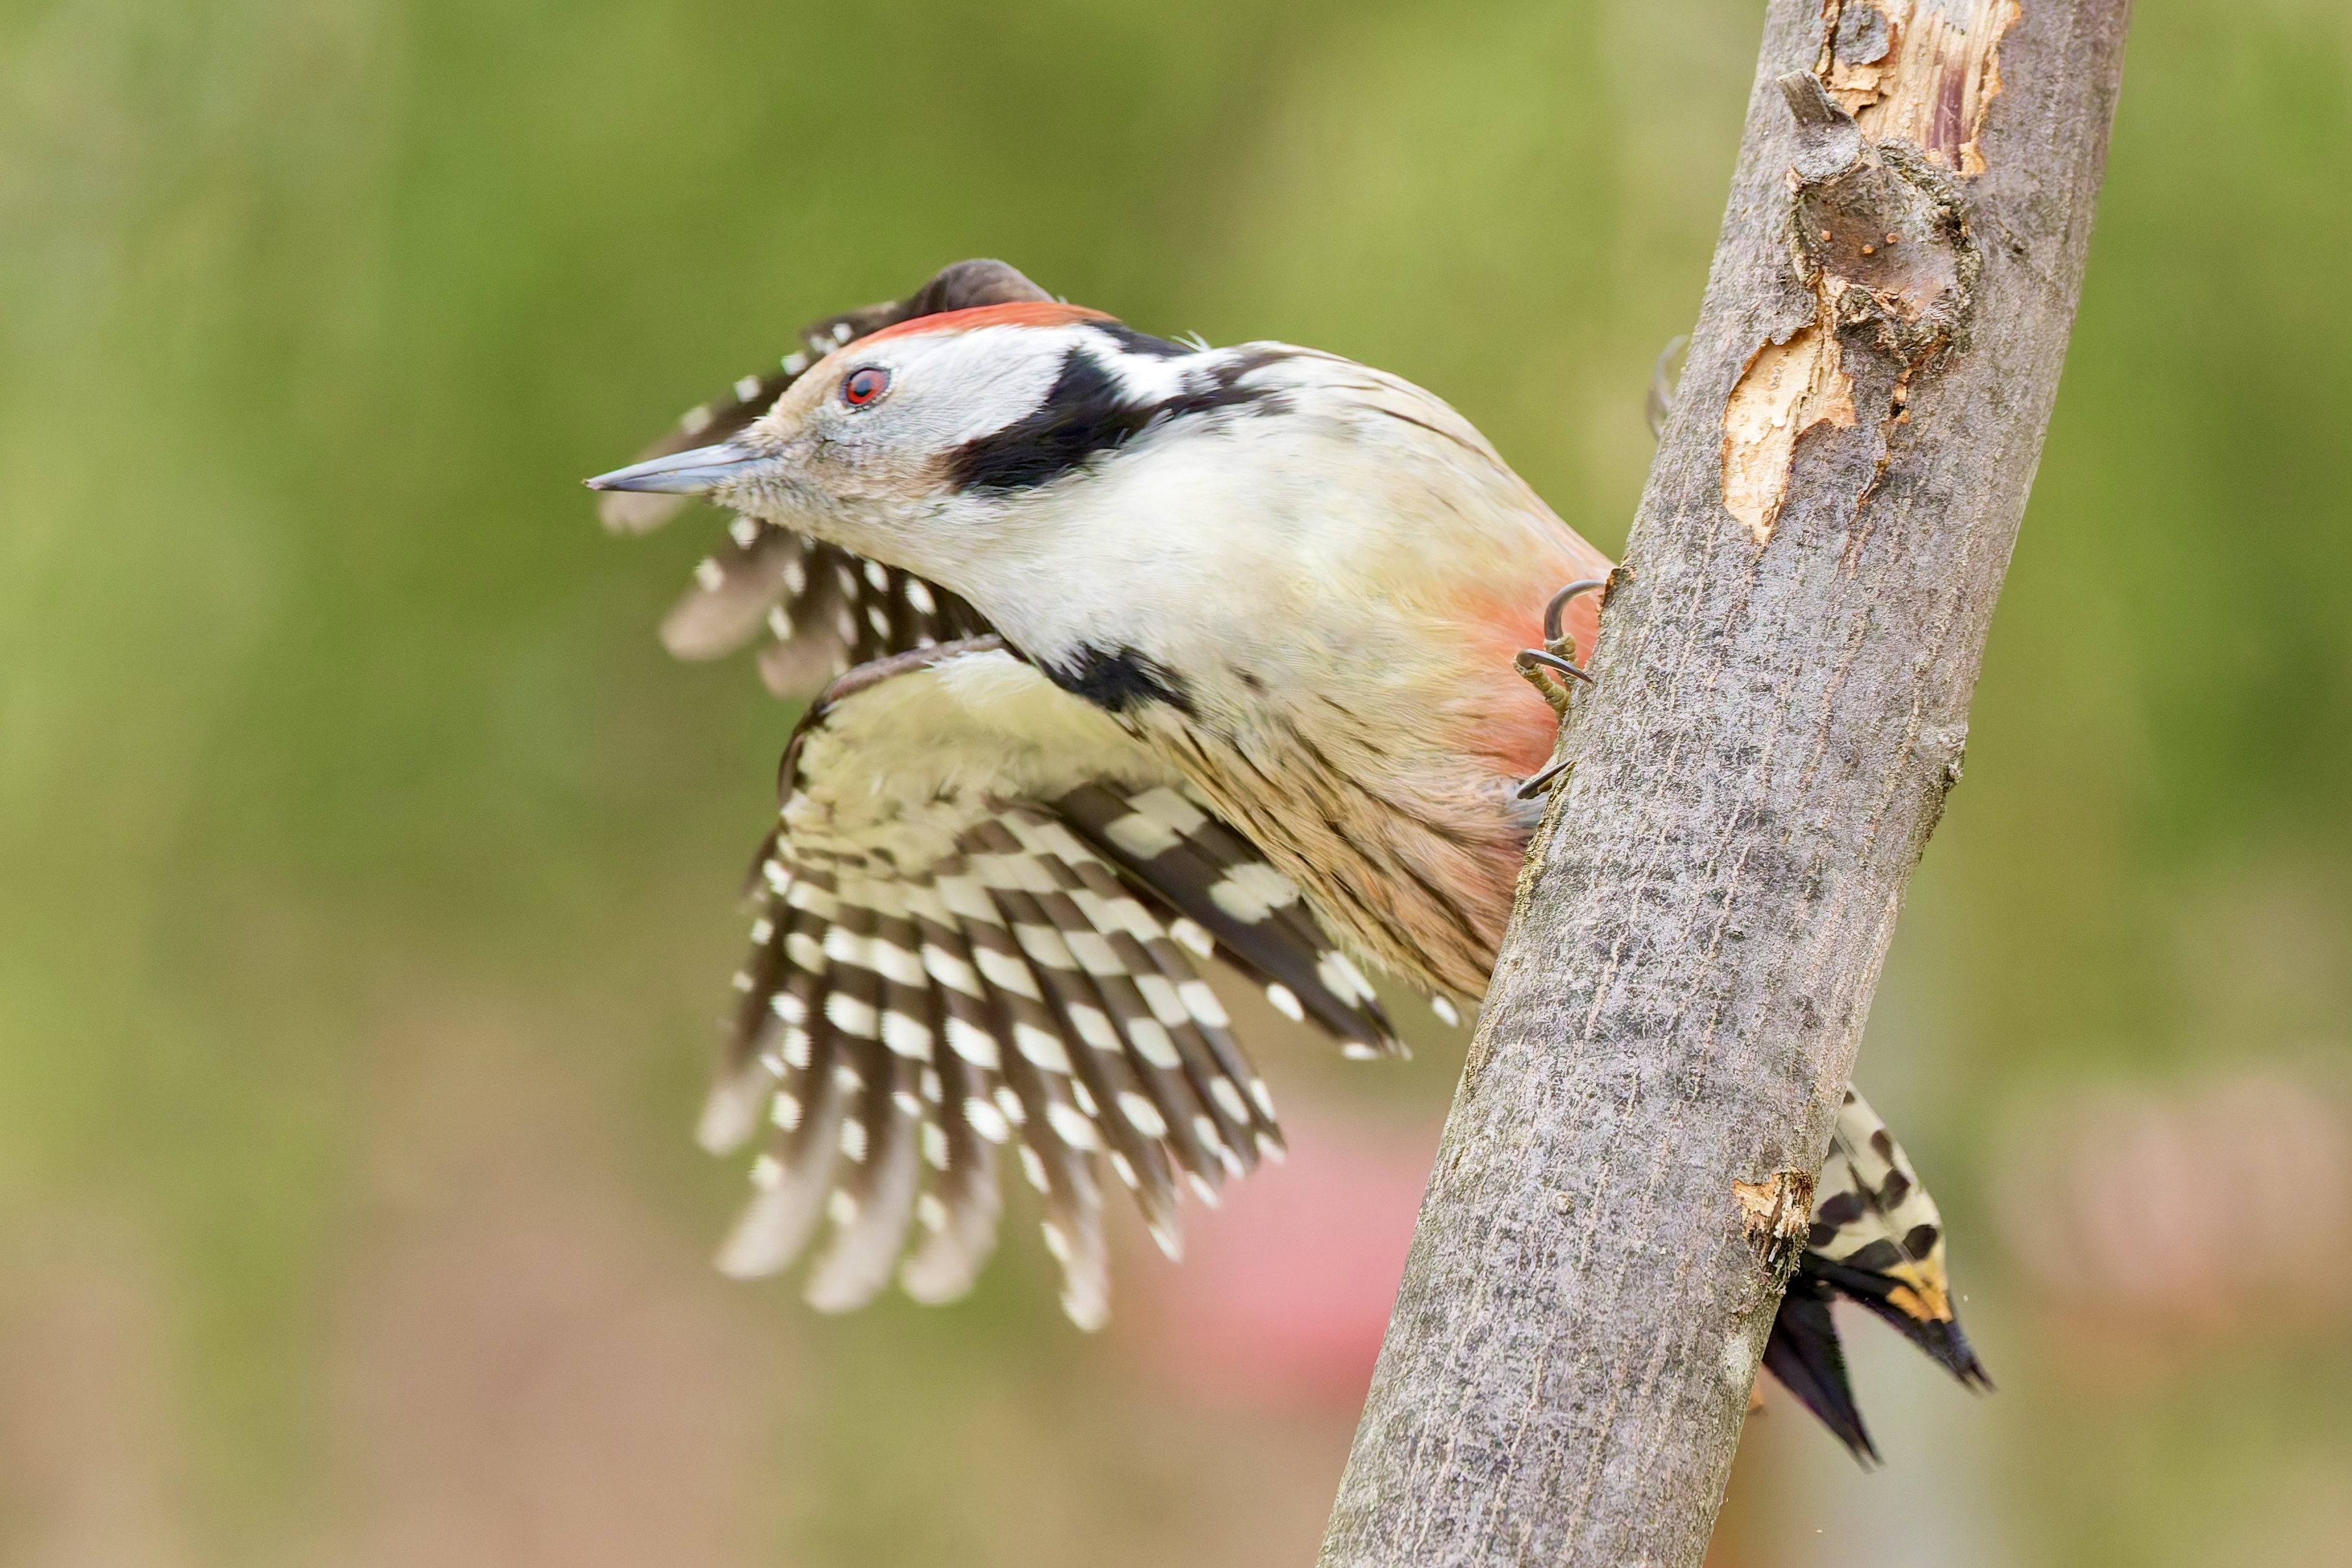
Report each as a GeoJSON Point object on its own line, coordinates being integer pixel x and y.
{"type": "Point", "coordinates": [822, 609]}
{"type": "Point", "coordinates": [980, 922]}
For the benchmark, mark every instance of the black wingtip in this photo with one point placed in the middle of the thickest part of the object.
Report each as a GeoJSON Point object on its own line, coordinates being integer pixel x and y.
{"type": "Point", "coordinates": [1940, 1339]}
{"type": "Point", "coordinates": [1805, 1355]}
{"type": "Point", "coordinates": [1944, 1344]}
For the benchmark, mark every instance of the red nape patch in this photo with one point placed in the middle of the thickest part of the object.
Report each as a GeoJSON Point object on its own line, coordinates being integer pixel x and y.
{"type": "Point", "coordinates": [1021, 313]}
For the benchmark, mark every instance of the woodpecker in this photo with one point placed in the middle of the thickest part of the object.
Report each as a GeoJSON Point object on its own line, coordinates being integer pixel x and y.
{"type": "Point", "coordinates": [1123, 654]}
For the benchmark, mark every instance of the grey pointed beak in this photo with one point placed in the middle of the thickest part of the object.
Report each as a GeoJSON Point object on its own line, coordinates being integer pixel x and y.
{"type": "Point", "coordinates": [690, 473]}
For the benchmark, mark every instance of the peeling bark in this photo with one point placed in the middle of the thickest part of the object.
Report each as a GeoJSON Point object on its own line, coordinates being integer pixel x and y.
{"type": "Point", "coordinates": [1921, 71]}
{"type": "Point", "coordinates": [1874, 230]}
{"type": "Point", "coordinates": [1783, 670]}
{"type": "Point", "coordinates": [1786, 390]}
{"type": "Point", "coordinates": [1777, 1215]}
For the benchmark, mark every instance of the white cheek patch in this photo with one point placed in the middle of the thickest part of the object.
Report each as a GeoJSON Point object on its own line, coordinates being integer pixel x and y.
{"type": "Point", "coordinates": [956, 386]}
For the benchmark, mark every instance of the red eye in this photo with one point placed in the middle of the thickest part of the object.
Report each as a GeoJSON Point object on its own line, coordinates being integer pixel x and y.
{"type": "Point", "coordinates": [863, 385]}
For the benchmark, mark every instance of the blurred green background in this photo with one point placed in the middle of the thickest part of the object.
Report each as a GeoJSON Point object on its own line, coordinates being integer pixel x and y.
{"type": "Point", "coordinates": [366, 871]}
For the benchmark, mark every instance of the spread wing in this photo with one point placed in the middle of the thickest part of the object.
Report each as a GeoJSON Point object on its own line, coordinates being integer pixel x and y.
{"type": "Point", "coordinates": [821, 607]}
{"type": "Point", "coordinates": [1877, 1238]}
{"type": "Point", "coordinates": [980, 922]}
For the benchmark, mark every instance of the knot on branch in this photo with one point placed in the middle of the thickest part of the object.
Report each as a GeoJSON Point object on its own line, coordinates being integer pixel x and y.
{"type": "Point", "coordinates": [1876, 231]}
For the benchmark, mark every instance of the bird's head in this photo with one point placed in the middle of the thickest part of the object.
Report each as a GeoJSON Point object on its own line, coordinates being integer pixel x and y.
{"type": "Point", "coordinates": [950, 436]}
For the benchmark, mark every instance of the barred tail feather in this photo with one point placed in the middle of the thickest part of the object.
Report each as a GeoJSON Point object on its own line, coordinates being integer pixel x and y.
{"type": "Point", "coordinates": [1877, 1239]}
{"type": "Point", "coordinates": [1941, 1339]}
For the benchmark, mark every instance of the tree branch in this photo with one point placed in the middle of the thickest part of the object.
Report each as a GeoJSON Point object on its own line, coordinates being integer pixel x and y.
{"type": "Point", "coordinates": [1784, 670]}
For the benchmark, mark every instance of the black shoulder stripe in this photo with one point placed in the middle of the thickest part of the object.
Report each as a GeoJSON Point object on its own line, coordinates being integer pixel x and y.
{"type": "Point", "coordinates": [1118, 679]}
{"type": "Point", "coordinates": [1142, 343]}
{"type": "Point", "coordinates": [1222, 384]}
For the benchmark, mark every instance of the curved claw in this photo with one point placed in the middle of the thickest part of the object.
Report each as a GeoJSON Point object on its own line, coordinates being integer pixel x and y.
{"type": "Point", "coordinates": [1533, 664]}
{"type": "Point", "coordinates": [1528, 658]}
{"type": "Point", "coordinates": [1538, 782]}
{"type": "Point", "coordinates": [1558, 605]}
{"type": "Point", "coordinates": [1555, 637]}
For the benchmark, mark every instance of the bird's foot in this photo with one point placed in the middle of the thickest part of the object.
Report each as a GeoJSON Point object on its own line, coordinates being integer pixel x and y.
{"type": "Point", "coordinates": [1543, 668]}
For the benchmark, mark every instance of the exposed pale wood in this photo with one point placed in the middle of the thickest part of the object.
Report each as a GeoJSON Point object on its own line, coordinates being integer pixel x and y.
{"type": "Point", "coordinates": [1769, 748]}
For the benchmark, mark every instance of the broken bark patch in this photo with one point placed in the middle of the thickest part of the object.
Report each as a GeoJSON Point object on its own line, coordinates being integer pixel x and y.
{"type": "Point", "coordinates": [1785, 390]}
{"type": "Point", "coordinates": [1921, 71]}
{"type": "Point", "coordinates": [1882, 244]}
{"type": "Point", "coordinates": [1776, 1213]}
{"type": "Point", "coordinates": [1875, 234]}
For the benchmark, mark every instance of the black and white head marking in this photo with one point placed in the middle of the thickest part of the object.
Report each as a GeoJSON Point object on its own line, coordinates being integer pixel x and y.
{"type": "Point", "coordinates": [1116, 386]}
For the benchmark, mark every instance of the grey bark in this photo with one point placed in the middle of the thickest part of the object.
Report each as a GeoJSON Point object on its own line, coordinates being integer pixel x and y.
{"type": "Point", "coordinates": [1769, 747]}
